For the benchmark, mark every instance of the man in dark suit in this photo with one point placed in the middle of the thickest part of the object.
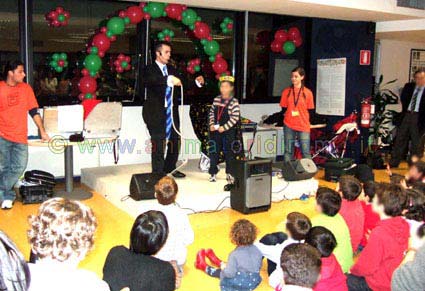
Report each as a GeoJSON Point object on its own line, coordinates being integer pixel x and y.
{"type": "Point", "coordinates": [413, 124]}
{"type": "Point", "coordinates": [160, 112]}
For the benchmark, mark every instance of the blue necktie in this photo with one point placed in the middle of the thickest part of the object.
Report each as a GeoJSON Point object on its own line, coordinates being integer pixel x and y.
{"type": "Point", "coordinates": [168, 101]}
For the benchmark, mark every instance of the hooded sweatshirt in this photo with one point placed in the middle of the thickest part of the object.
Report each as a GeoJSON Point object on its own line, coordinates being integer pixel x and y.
{"type": "Point", "coordinates": [331, 276]}
{"type": "Point", "coordinates": [383, 253]}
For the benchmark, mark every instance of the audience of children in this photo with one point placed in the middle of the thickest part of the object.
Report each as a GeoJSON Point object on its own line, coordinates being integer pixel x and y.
{"type": "Point", "coordinates": [328, 204]}
{"type": "Point", "coordinates": [351, 208]}
{"type": "Point", "coordinates": [272, 245]}
{"type": "Point", "coordinates": [242, 270]}
{"type": "Point", "coordinates": [371, 218]}
{"type": "Point", "coordinates": [414, 213]}
{"type": "Point", "coordinates": [331, 276]}
{"type": "Point", "coordinates": [387, 243]}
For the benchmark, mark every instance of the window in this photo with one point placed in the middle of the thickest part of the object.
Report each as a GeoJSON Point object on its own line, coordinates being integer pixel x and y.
{"type": "Point", "coordinates": [9, 32]}
{"type": "Point", "coordinates": [418, 4]}
{"type": "Point", "coordinates": [53, 88]}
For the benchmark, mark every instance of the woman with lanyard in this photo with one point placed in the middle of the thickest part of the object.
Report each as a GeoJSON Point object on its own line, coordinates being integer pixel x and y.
{"type": "Point", "coordinates": [223, 117]}
{"type": "Point", "coordinates": [297, 103]}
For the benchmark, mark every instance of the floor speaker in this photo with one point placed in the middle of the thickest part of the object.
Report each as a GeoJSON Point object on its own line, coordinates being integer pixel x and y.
{"type": "Point", "coordinates": [142, 186]}
{"type": "Point", "coordinates": [297, 170]}
{"type": "Point", "coordinates": [253, 183]}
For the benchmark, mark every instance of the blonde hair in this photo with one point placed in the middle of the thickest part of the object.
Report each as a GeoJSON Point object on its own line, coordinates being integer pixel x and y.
{"type": "Point", "coordinates": [62, 229]}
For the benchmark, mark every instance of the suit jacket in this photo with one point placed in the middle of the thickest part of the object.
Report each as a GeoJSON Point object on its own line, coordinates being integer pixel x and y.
{"type": "Point", "coordinates": [406, 97]}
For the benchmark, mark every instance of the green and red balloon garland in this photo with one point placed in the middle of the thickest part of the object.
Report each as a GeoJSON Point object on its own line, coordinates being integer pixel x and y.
{"type": "Point", "coordinates": [286, 42]}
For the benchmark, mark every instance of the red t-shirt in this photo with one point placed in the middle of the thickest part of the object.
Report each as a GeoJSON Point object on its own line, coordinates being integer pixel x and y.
{"type": "Point", "coordinates": [297, 116]}
{"type": "Point", "coordinates": [353, 214]}
{"type": "Point", "coordinates": [331, 276]}
{"type": "Point", "coordinates": [15, 102]}
{"type": "Point", "coordinates": [371, 220]}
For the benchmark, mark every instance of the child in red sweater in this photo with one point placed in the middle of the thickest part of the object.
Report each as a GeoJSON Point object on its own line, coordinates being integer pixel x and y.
{"type": "Point", "coordinates": [331, 276]}
{"type": "Point", "coordinates": [387, 243]}
{"type": "Point", "coordinates": [371, 218]}
{"type": "Point", "coordinates": [351, 209]}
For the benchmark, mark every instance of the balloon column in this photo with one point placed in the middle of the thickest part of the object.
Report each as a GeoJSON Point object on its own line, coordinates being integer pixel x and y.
{"type": "Point", "coordinates": [58, 17]}
{"type": "Point", "coordinates": [122, 63]}
{"type": "Point", "coordinates": [193, 66]}
{"type": "Point", "coordinates": [166, 35]}
{"type": "Point", "coordinates": [227, 25]}
{"type": "Point", "coordinates": [286, 42]}
{"type": "Point", "coordinates": [59, 62]}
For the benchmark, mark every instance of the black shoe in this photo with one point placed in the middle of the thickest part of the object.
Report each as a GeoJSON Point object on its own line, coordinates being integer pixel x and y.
{"type": "Point", "coordinates": [178, 174]}
{"type": "Point", "coordinates": [228, 187]}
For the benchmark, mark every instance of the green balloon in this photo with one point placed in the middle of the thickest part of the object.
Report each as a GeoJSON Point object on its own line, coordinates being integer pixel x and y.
{"type": "Point", "coordinates": [227, 19]}
{"type": "Point", "coordinates": [61, 18]}
{"type": "Point", "coordinates": [59, 69]}
{"type": "Point", "coordinates": [197, 68]}
{"type": "Point", "coordinates": [204, 41]}
{"type": "Point", "coordinates": [124, 64]}
{"type": "Point", "coordinates": [166, 31]}
{"type": "Point", "coordinates": [211, 59]}
{"type": "Point", "coordinates": [88, 95]}
{"type": "Point", "coordinates": [155, 9]}
{"type": "Point", "coordinates": [63, 56]}
{"type": "Point", "coordinates": [92, 63]}
{"type": "Point", "coordinates": [289, 47]}
{"type": "Point", "coordinates": [94, 50]}
{"type": "Point", "coordinates": [65, 64]}
{"type": "Point", "coordinates": [222, 25]}
{"type": "Point", "coordinates": [53, 64]}
{"type": "Point", "coordinates": [56, 57]}
{"type": "Point", "coordinates": [171, 33]}
{"type": "Point", "coordinates": [192, 26]}
{"type": "Point", "coordinates": [161, 36]}
{"type": "Point", "coordinates": [211, 48]}
{"type": "Point", "coordinates": [189, 17]}
{"type": "Point", "coordinates": [126, 20]}
{"type": "Point", "coordinates": [116, 25]}
{"type": "Point", "coordinates": [225, 30]}
{"type": "Point", "coordinates": [93, 74]}
{"type": "Point", "coordinates": [109, 34]}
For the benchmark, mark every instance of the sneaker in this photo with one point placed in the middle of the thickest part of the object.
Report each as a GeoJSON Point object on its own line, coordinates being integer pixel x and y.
{"type": "Point", "coordinates": [7, 204]}
{"type": "Point", "coordinates": [213, 178]}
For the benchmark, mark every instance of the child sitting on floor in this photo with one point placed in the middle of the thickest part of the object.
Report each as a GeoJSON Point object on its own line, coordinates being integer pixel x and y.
{"type": "Point", "coordinates": [272, 245]}
{"type": "Point", "coordinates": [301, 268]}
{"type": "Point", "coordinates": [371, 218]}
{"type": "Point", "coordinates": [351, 208]}
{"type": "Point", "coordinates": [328, 204]}
{"type": "Point", "coordinates": [242, 270]}
{"type": "Point", "coordinates": [415, 213]}
{"type": "Point", "coordinates": [331, 276]}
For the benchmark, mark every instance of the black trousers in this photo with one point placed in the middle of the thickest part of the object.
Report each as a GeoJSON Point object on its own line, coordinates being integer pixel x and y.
{"type": "Point", "coordinates": [407, 131]}
{"type": "Point", "coordinates": [356, 283]}
{"type": "Point", "coordinates": [226, 142]}
{"type": "Point", "coordinates": [271, 240]}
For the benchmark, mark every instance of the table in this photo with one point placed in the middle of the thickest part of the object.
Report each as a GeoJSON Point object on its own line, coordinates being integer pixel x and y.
{"type": "Point", "coordinates": [59, 144]}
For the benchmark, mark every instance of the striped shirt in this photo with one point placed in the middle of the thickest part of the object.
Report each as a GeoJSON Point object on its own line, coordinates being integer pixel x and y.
{"type": "Point", "coordinates": [233, 110]}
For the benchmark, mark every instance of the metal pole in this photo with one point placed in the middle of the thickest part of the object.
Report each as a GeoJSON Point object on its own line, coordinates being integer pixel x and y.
{"type": "Point", "coordinates": [69, 169]}
{"type": "Point", "coordinates": [25, 39]}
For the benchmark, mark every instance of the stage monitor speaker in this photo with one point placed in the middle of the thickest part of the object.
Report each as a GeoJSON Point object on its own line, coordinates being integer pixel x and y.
{"type": "Point", "coordinates": [252, 191]}
{"type": "Point", "coordinates": [297, 170]}
{"type": "Point", "coordinates": [142, 186]}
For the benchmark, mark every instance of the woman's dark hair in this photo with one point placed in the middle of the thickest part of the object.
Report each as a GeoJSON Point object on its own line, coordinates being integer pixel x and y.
{"type": "Point", "coordinates": [298, 225]}
{"type": "Point", "coordinates": [149, 233]}
{"type": "Point", "coordinates": [329, 200]}
{"type": "Point", "coordinates": [11, 66]}
{"type": "Point", "coordinates": [299, 70]}
{"type": "Point", "coordinates": [322, 239]}
{"type": "Point", "coordinates": [14, 271]}
{"type": "Point", "coordinates": [415, 205]}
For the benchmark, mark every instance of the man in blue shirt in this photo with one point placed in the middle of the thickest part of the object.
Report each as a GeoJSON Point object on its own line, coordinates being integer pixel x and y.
{"type": "Point", "coordinates": [412, 127]}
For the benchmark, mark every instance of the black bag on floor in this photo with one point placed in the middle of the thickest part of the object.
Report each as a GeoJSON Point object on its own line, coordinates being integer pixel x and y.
{"type": "Point", "coordinates": [335, 168]}
{"type": "Point", "coordinates": [40, 178]}
{"type": "Point", "coordinates": [32, 194]}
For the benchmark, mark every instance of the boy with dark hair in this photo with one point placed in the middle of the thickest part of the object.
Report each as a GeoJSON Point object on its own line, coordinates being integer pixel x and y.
{"type": "Point", "coordinates": [328, 204]}
{"type": "Point", "coordinates": [297, 226]}
{"type": "Point", "coordinates": [416, 173]}
{"type": "Point", "coordinates": [301, 267]}
{"type": "Point", "coordinates": [331, 276]}
{"type": "Point", "coordinates": [387, 243]}
{"type": "Point", "coordinates": [371, 218]}
{"type": "Point", "coordinates": [351, 209]}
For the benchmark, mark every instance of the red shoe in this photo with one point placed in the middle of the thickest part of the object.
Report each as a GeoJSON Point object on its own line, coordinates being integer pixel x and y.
{"type": "Point", "coordinates": [200, 262]}
{"type": "Point", "coordinates": [213, 258]}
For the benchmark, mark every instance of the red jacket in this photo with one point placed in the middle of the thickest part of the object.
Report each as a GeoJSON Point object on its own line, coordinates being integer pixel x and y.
{"type": "Point", "coordinates": [353, 214]}
{"type": "Point", "coordinates": [371, 219]}
{"type": "Point", "coordinates": [383, 253]}
{"type": "Point", "coordinates": [331, 276]}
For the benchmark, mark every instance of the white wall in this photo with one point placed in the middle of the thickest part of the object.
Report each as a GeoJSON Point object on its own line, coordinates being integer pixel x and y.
{"type": "Point", "coordinates": [133, 132]}
{"type": "Point", "coordinates": [395, 60]}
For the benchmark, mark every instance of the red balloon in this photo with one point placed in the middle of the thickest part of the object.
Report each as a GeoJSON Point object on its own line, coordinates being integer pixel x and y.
{"type": "Point", "coordinates": [102, 42]}
{"type": "Point", "coordinates": [61, 63]}
{"type": "Point", "coordinates": [276, 46]}
{"type": "Point", "coordinates": [174, 11]}
{"type": "Point", "coordinates": [56, 23]}
{"type": "Point", "coordinates": [87, 84]}
{"type": "Point", "coordinates": [298, 41]}
{"type": "Point", "coordinates": [167, 38]}
{"type": "Point", "coordinates": [147, 16]}
{"type": "Point", "coordinates": [197, 61]}
{"type": "Point", "coordinates": [81, 96]}
{"type": "Point", "coordinates": [52, 15]}
{"type": "Point", "coordinates": [59, 9]}
{"type": "Point", "coordinates": [122, 14]}
{"type": "Point", "coordinates": [294, 33]}
{"type": "Point", "coordinates": [85, 72]}
{"type": "Point", "coordinates": [202, 30]}
{"type": "Point", "coordinates": [191, 70]}
{"type": "Point", "coordinates": [230, 26]}
{"type": "Point", "coordinates": [121, 57]}
{"type": "Point", "coordinates": [66, 14]}
{"type": "Point", "coordinates": [103, 29]}
{"type": "Point", "coordinates": [119, 69]}
{"type": "Point", "coordinates": [127, 59]}
{"type": "Point", "coordinates": [209, 38]}
{"type": "Point", "coordinates": [113, 38]}
{"type": "Point", "coordinates": [101, 54]}
{"type": "Point", "coordinates": [117, 63]}
{"type": "Point", "coordinates": [220, 65]}
{"type": "Point", "coordinates": [281, 36]}
{"type": "Point", "coordinates": [135, 13]}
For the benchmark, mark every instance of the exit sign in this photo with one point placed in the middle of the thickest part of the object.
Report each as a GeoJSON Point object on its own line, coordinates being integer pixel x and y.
{"type": "Point", "coordinates": [365, 57]}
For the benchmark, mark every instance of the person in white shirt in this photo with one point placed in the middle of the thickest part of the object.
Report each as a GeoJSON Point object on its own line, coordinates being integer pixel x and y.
{"type": "Point", "coordinates": [271, 246]}
{"type": "Point", "coordinates": [61, 235]}
{"type": "Point", "coordinates": [180, 231]}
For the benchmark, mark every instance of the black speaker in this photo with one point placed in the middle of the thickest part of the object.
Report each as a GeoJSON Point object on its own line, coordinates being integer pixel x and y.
{"type": "Point", "coordinates": [252, 191]}
{"type": "Point", "coordinates": [142, 186]}
{"type": "Point", "coordinates": [297, 170]}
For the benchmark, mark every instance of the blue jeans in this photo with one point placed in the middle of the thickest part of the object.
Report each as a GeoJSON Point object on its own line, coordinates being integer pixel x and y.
{"type": "Point", "coordinates": [13, 161]}
{"type": "Point", "coordinates": [290, 137]}
{"type": "Point", "coordinates": [241, 282]}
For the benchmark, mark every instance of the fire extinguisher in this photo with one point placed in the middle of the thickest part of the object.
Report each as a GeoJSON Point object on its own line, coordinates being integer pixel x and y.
{"type": "Point", "coordinates": [366, 113]}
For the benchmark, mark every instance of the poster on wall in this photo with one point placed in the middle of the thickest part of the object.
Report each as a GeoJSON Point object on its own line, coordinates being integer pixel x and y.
{"type": "Point", "coordinates": [417, 60]}
{"type": "Point", "coordinates": [330, 97]}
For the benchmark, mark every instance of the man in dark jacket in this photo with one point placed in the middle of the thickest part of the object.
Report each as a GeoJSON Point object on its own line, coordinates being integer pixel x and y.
{"type": "Point", "coordinates": [412, 127]}
{"type": "Point", "coordinates": [160, 110]}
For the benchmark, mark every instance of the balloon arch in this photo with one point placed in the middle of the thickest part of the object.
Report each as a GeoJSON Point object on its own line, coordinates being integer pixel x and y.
{"type": "Point", "coordinates": [115, 26]}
